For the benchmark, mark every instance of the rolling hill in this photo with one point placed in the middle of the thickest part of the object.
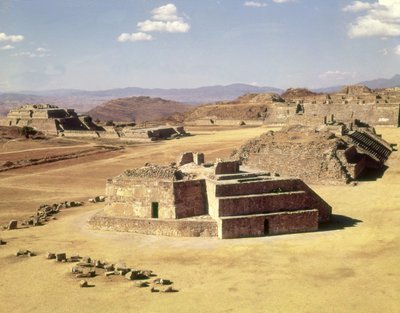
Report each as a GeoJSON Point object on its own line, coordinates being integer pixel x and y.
{"type": "Point", "coordinates": [138, 109]}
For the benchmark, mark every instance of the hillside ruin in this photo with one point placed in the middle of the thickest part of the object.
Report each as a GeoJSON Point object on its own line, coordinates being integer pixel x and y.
{"type": "Point", "coordinates": [332, 153]}
{"type": "Point", "coordinates": [301, 106]}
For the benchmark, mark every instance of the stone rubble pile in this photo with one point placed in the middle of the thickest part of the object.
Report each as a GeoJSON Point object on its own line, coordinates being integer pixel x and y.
{"type": "Point", "coordinates": [25, 252]}
{"type": "Point", "coordinates": [155, 171]}
{"type": "Point", "coordinates": [97, 199]}
{"type": "Point", "coordinates": [43, 214]}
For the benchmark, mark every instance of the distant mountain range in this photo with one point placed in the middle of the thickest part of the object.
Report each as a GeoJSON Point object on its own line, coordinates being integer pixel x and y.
{"type": "Point", "coordinates": [83, 100]}
{"type": "Point", "coordinates": [372, 84]}
{"type": "Point", "coordinates": [186, 95]}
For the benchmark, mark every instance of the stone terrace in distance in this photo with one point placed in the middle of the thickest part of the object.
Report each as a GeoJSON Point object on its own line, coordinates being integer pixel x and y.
{"type": "Point", "coordinates": [202, 199]}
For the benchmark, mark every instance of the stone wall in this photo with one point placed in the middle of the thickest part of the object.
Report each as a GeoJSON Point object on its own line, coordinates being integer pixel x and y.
{"type": "Point", "coordinates": [180, 227]}
{"type": "Point", "coordinates": [134, 197]}
{"type": "Point", "coordinates": [226, 167]}
{"type": "Point", "coordinates": [80, 133]}
{"type": "Point", "coordinates": [234, 189]}
{"type": "Point", "coordinates": [265, 203]}
{"type": "Point", "coordinates": [190, 198]}
{"type": "Point", "coordinates": [277, 223]}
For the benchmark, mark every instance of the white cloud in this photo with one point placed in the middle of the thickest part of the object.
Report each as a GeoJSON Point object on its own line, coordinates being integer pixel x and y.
{"type": "Point", "coordinates": [337, 75]}
{"type": "Point", "coordinates": [159, 26]}
{"type": "Point", "coordinates": [283, 1]}
{"type": "Point", "coordinates": [384, 51]}
{"type": "Point", "coordinates": [255, 4]}
{"type": "Point", "coordinates": [164, 19]}
{"type": "Point", "coordinates": [30, 54]}
{"type": "Point", "coordinates": [7, 47]}
{"type": "Point", "coordinates": [380, 19]}
{"type": "Point", "coordinates": [12, 38]}
{"type": "Point", "coordinates": [358, 6]}
{"type": "Point", "coordinates": [134, 37]}
{"type": "Point", "coordinates": [165, 13]}
{"type": "Point", "coordinates": [40, 49]}
{"type": "Point", "coordinates": [397, 50]}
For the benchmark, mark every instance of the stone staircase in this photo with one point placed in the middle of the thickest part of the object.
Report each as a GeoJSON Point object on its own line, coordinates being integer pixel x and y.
{"type": "Point", "coordinates": [372, 144]}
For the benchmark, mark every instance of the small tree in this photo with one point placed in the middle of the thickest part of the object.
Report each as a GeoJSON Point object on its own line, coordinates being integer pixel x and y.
{"type": "Point", "coordinates": [28, 131]}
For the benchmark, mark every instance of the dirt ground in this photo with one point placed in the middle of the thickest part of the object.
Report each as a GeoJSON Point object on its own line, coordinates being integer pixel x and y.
{"type": "Point", "coordinates": [351, 265]}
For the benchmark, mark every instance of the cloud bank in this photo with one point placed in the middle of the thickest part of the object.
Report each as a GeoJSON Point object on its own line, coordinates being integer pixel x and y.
{"type": "Point", "coordinates": [164, 19]}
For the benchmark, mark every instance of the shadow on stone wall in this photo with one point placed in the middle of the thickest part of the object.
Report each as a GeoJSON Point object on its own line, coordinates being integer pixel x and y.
{"type": "Point", "coordinates": [372, 174]}
{"type": "Point", "coordinates": [339, 222]}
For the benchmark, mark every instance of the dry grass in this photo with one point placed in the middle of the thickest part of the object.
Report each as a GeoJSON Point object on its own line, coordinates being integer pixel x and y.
{"type": "Point", "coordinates": [352, 267]}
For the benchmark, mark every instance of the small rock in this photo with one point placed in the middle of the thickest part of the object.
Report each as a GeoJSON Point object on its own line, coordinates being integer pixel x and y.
{"type": "Point", "coordinates": [154, 289]}
{"type": "Point", "coordinates": [25, 252]}
{"type": "Point", "coordinates": [84, 264]}
{"type": "Point", "coordinates": [60, 257]}
{"type": "Point", "coordinates": [13, 224]}
{"type": "Point", "coordinates": [86, 259]}
{"type": "Point", "coordinates": [83, 283]}
{"type": "Point", "coordinates": [131, 275]}
{"type": "Point", "coordinates": [141, 284]}
{"type": "Point", "coordinates": [122, 268]}
{"type": "Point", "coordinates": [168, 289]}
{"type": "Point", "coordinates": [98, 264]}
{"type": "Point", "coordinates": [50, 256]}
{"type": "Point", "coordinates": [2, 242]}
{"type": "Point", "coordinates": [109, 273]}
{"type": "Point", "coordinates": [147, 273]}
{"type": "Point", "coordinates": [109, 267]}
{"type": "Point", "coordinates": [161, 281]}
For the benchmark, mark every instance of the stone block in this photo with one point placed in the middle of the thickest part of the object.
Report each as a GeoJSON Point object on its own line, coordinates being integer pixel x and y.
{"type": "Point", "coordinates": [13, 224]}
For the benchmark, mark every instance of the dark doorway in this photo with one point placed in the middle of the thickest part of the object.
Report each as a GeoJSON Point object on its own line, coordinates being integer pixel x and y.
{"type": "Point", "coordinates": [154, 209]}
{"type": "Point", "coordinates": [266, 227]}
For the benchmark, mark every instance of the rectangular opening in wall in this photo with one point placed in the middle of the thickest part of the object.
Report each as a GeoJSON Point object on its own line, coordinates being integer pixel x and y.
{"type": "Point", "coordinates": [266, 227]}
{"type": "Point", "coordinates": [154, 209]}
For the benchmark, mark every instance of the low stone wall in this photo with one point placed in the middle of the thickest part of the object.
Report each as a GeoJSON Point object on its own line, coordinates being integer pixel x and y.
{"type": "Point", "coordinates": [224, 122]}
{"type": "Point", "coordinates": [80, 133]}
{"type": "Point", "coordinates": [177, 228]}
{"type": "Point", "coordinates": [255, 187]}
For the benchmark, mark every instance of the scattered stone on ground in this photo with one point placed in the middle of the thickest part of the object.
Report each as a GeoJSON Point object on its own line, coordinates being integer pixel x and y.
{"type": "Point", "coordinates": [97, 199]}
{"type": "Point", "coordinates": [61, 257]}
{"type": "Point", "coordinates": [2, 242]}
{"type": "Point", "coordinates": [25, 252]}
{"type": "Point", "coordinates": [86, 268]}
{"type": "Point", "coordinates": [13, 224]}
{"type": "Point", "coordinates": [43, 214]}
{"type": "Point", "coordinates": [141, 284]}
{"type": "Point", "coordinates": [50, 256]}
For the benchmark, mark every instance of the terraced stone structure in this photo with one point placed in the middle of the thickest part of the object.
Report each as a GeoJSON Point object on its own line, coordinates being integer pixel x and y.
{"type": "Point", "coordinates": [301, 106]}
{"type": "Point", "coordinates": [51, 120]}
{"type": "Point", "coordinates": [203, 199]}
{"type": "Point", "coordinates": [332, 153]}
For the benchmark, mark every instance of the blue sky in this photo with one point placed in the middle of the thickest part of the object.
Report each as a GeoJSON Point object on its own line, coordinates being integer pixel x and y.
{"type": "Point", "coordinates": [88, 44]}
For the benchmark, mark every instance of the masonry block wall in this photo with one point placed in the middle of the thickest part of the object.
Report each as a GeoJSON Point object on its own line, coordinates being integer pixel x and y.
{"type": "Point", "coordinates": [190, 198]}
{"type": "Point", "coordinates": [265, 203]}
{"type": "Point", "coordinates": [134, 197]}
